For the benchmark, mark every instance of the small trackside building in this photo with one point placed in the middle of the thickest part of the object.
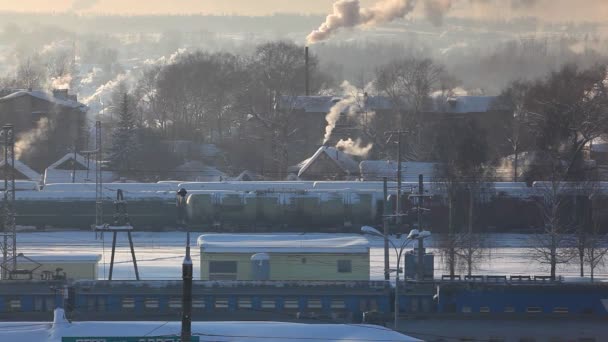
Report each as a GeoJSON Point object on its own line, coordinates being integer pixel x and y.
{"type": "Point", "coordinates": [71, 267]}
{"type": "Point", "coordinates": [322, 257]}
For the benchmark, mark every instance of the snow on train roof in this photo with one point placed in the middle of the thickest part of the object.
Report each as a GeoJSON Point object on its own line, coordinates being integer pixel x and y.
{"type": "Point", "coordinates": [72, 258]}
{"type": "Point", "coordinates": [283, 243]}
{"type": "Point", "coordinates": [206, 331]}
{"type": "Point", "coordinates": [126, 187]}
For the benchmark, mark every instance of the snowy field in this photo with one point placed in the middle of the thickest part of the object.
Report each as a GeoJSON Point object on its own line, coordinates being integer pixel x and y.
{"type": "Point", "coordinates": [159, 254]}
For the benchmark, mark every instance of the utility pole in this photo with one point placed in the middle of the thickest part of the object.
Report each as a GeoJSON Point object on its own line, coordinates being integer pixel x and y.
{"type": "Point", "coordinates": [74, 165]}
{"type": "Point", "coordinates": [387, 266]}
{"type": "Point", "coordinates": [9, 234]}
{"type": "Point", "coordinates": [186, 332]}
{"type": "Point", "coordinates": [420, 243]}
{"type": "Point", "coordinates": [399, 134]}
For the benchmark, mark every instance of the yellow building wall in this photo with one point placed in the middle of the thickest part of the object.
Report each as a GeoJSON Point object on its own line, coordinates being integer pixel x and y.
{"type": "Point", "coordinates": [306, 266]}
{"type": "Point", "coordinates": [73, 270]}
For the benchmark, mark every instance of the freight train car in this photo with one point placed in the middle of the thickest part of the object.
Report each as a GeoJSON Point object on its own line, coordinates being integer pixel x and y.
{"type": "Point", "coordinates": [152, 210]}
{"type": "Point", "coordinates": [283, 209]}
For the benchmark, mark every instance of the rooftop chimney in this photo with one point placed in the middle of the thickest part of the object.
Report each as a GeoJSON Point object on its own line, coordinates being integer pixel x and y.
{"type": "Point", "coordinates": [60, 94]}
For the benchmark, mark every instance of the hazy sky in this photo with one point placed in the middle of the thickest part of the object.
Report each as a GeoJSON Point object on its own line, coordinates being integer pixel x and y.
{"type": "Point", "coordinates": [551, 9]}
{"type": "Point", "coordinates": [250, 7]}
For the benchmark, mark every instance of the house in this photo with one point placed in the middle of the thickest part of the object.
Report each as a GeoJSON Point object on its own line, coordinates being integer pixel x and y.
{"type": "Point", "coordinates": [378, 114]}
{"type": "Point", "coordinates": [74, 168]}
{"type": "Point", "coordinates": [284, 257]}
{"type": "Point", "coordinates": [21, 172]}
{"type": "Point", "coordinates": [47, 125]}
{"type": "Point", "coordinates": [327, 163]}
{"type": "Point", "coordinates": [377, 170]}
{"type": "Point", "coordinates": [197, 171]}
{"type": "Point", "coordinates": [49, 267]}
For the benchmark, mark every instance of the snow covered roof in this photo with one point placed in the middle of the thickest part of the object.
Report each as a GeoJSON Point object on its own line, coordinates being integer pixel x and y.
{"type": "Point", "coordinates": [197, 171]}
{"type": "Point", "coordinates": [453, 105]}
{"type": "Point", "coordinates": [24, 170]}
{"type": "Point", "coordinates": [84, 173]}
{"type": "Point", "coordinates": [599, 145]}
{"type": "Point", "coordinates": [344, 161]}
{"type": "Point", "coordinates": [46, 97]}
{"type": "Point", "coordinates": [378, 169]}
{"type": "Point", "coordinates": [463, 104]}
{"type": "Point", "coordinates": [205, 331]}
{"type": "Point", "coordinates": [72, 258]}
{"type": "Point", "coordinates": [283, 243]}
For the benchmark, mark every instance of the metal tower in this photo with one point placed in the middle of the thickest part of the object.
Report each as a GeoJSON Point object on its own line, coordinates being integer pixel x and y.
{"type": "Point", "coordinates": [121, 224]}
{"type": "Point", "coordinates": [98, 177]}
{"type": "Point", "coordinates": [9, 233]}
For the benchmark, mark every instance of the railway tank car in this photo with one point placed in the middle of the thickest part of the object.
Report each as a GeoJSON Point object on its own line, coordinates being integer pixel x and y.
{"type": "Point", "coordinates": [295, 209]}
{"type": "Point", "coordinates": [76, 209]}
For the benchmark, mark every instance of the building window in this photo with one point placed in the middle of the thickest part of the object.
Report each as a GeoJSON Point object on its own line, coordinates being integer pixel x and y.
{"type": "Point", "coordinates": [128, 303]}
{"type": "Point", "coordinates": [151, 303]}
{"type": "Point", "coordinates": [345, 266]}
{"type": "Point", "coordinates": [14, 305]}
{"type": "Point", "coordinates": [222, 266]}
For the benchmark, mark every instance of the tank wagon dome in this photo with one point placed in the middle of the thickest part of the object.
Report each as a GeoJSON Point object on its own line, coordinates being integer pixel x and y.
{"type": "Point", "coordinates": [260, 257]}
{"type": "Point", "coordinates": [283, 243]}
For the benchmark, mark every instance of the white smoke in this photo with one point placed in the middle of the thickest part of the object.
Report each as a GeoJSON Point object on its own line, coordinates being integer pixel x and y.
{"type": "Point", "coordinates": [61, 82]}
{"type": "Point", "coordinates": [25, 141]}
{"type": "Point", "coordinates": [435, 10]}
{"type": "Point", "coordinates": [355, 147]}
{"type": "Point", "coordinates": [352, 104]}
{"type": "Point", "coordinates": [348, 13]}
{"type": "Point", "coordinates": [346, 105]}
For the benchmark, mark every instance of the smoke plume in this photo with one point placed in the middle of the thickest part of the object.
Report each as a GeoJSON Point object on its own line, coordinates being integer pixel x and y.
{"type": "Point", "coordinates": [354, 148]}
{"type": "Point", "coordinates": [435, 10]}
{"type": "Point", "coordinates": [348, 13]}
{"type": "Point", "coordinates": [350, 104]}
{"type": "Point", "coordinates": [26, 140]}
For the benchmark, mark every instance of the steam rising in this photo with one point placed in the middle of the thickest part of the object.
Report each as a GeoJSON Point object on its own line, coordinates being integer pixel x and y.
{"type": "Point", "coordinates": [354, 148]}
{"type": "Point", "coordinates": [347, 105]}
{"type": "Point", "coordinates": [26, 140]}
{"type": "Point", "coordinates": [348, 13]}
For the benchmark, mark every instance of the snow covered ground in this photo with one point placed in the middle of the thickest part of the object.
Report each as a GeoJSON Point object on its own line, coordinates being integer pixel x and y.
{"type": "Point", "coordinates": [159, 254]}
{"type": "Point", "coordinates": [206, 331]}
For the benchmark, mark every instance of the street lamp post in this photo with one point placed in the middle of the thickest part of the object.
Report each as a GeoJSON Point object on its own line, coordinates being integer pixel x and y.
{"type": "Point", "coordinates": [413, 235]}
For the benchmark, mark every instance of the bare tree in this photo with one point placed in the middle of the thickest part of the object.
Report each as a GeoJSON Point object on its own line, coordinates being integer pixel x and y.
{"type": "Point", "coordinates": [552, 245]}
{"type": "Point", "coordinates": [518, 127]}
{"type": "Point", "coordinates": [278, 72]}
{"type": "Point", "coordinates": [596, 249]}
{"type": "Point", "coordinates": [463, 173]}
{"type": "Point", "coordinates": [409, 84]}
{"type": "Point", "coordinates": [31, 74]}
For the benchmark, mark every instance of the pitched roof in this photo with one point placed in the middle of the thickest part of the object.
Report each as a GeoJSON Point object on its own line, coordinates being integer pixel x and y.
{"type": "Point", "coordinates": [439, 104]}
{"type": "Point", "coordinates": [283, 243]}
{"type": "Point", "coordinates": [342, 160]}
{"type": "Point", "coordinates": [25, 170]}
{"type": "Point", "coordinates": [84, 174]}
{"type": "Point", "coordinates": [46, 97]}
{"type": "Point", "coordinates": [197, 171]}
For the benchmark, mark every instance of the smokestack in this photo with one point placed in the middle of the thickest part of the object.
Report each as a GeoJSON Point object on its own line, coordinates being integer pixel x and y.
{"type": "Point", "coordinates": [307, 76]}
{"type": "Point", "coordinates": [187, 294]}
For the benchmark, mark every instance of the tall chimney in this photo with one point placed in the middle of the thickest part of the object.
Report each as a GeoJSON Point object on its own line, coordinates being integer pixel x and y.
{"type": "Point", "coordinates": [307, 77]}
